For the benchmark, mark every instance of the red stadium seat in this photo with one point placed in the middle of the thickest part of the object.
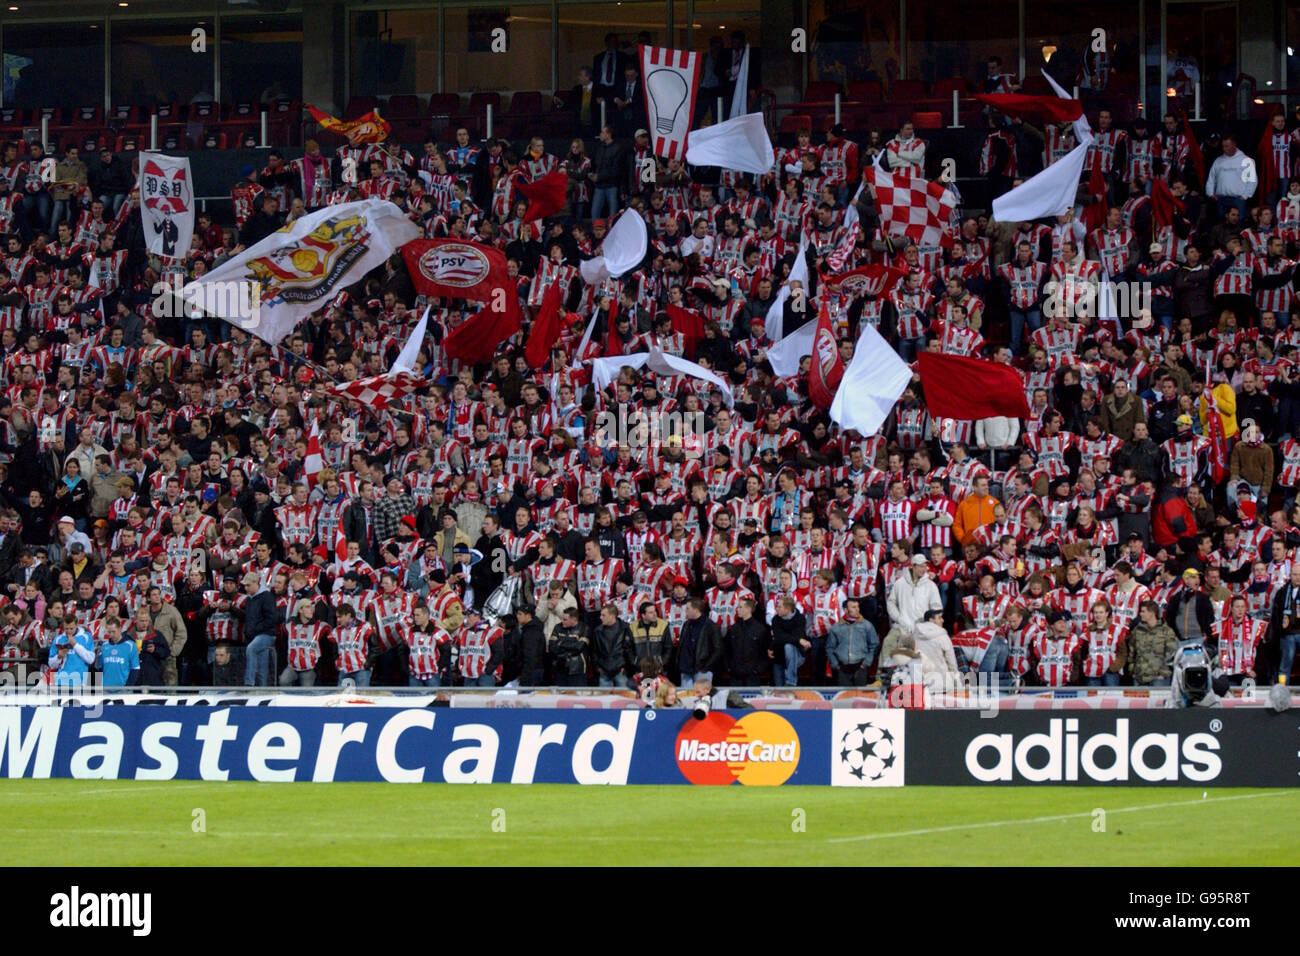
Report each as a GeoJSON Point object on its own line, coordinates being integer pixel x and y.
{"type": "Point", "coordinates": [866, 91]}
{"type": "Point", "coordinates": [206, 113]}
{"type": "Point", "coordinates": [820, 90]}
{"type": "Point", "coordinates": [943, 89]}
{"type": "Point", "coordinates": [359, 106]}
{"type": "Point", "coordinates": [402, 106]}
{"type": "Point", "coordinates": [87, 116]}
{"type": "Point", "coordinates": [444, 105]}
{"type": "Point", "coordinates": [928, 120]}
{"type": "Point", "coordinates": [906, 90]}
{"type": "Point", "coordinates": [1035, 85]}
{"type": "Point", "coordinates": [791, 124]}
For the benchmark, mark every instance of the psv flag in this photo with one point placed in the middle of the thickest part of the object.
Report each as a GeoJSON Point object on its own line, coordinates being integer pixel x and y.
{"type": "Point", "coordinates": [454, 269]}
{"type": "Point", "coordinates": [545, 195]}
{"type": "Point", "coordinates": [913, 208]}
{"type": "Point", "coordinates": [166, 204]}
{"type": "Point", "coordinates": [370, 128]}
{"type": "Point", "coordinates": [670, 79]}
{"type": "Point", "coordinates": [476, 339]}
{"type": "Point", "coordinates": [869, 280]}
{"type": "Point", "coordinates": [827, 366]}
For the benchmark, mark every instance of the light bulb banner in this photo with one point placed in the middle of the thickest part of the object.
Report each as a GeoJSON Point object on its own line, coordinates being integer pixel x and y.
{"type": "Point", "coordinates": [671, 79]}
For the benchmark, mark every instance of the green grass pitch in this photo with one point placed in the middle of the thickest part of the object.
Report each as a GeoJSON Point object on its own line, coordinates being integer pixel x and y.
{"type": "Point", "coordinates": [188, 823]}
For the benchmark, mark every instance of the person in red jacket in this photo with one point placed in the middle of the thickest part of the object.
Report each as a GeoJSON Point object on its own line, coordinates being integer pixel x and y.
{"type": "Point", "coordinates": [1172, 521]}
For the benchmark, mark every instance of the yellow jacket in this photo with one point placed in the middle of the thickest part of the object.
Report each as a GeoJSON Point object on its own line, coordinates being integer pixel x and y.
{"type": "Point", "coordinates": [1226, 399]}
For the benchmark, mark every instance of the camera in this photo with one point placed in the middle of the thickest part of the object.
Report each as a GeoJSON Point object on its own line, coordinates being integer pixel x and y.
{"type": "Point", "coordinates": [1191, 686]}
{"type": "Point", "coordinates": [703, 704]}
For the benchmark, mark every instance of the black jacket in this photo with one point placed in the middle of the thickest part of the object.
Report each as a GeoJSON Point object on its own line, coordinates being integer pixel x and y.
{"type": "Point", "coordinates": [700, 647]}
{"type": "Point", "coordinates": [608, 163]}
{"type": "Point", "coordinates": [747, 644]}
{"type": "Point", "coordinates": [788, 632]}
{"type": "Point", "coordinates": [1204, 612]}
{"type": "Point", "coordinates": [611, 649]}
{"type": "Point", "coordinates": [567, 651]}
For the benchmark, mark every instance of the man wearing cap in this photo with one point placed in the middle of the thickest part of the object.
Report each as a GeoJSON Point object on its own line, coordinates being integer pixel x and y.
{"type": "Point", "coordinates": [1191, 614]}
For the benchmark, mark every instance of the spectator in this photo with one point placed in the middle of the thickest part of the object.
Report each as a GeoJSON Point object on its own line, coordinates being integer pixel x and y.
{"type": "Point", "coordinates": [1151, 644]}
{"type": "Point", "coordinates": [851, 646]}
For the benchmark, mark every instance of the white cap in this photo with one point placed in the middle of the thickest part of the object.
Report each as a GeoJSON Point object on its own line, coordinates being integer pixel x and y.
{"type": "Point", "coordinates": [66, 520]}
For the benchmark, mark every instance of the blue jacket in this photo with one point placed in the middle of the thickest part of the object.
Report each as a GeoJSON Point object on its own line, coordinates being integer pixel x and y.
{"type": "Point", "coordinates": [77, 666]}
{"type": "Point", "coordinates": [261, 614]}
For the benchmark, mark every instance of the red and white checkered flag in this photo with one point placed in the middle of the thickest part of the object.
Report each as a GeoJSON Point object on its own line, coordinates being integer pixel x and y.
{"type": "Point", "coordinates": [377, 391]}
{"type": "Point", "coordinates": [914, 208]}
{"type": "Point", "coordinates": [314, 463]}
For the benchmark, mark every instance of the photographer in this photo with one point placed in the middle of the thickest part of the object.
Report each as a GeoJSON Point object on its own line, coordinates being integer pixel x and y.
{"type": "Point", "coordinates": [71, 655]}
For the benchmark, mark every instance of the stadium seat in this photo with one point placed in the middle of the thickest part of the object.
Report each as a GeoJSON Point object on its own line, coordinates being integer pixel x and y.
{"type": "Point", "coordinates": [359, 106]}
{"type": "Point", "coordinates": [444, 105]}
{"type": "Point", "coordinates": [866, 91]}
{"type": "Point", "coordinates": [87, 116]}
{"type": "Point", "coordinates": [127, 142]}
{"type": "Point", "coordinates": [790, 125]}
{"type": "Point", "coordinates": [1035, 85]}
{"type": "Point", "coordinates": [943, 89]}
{"type": "Point", "coordinates": [211, 139]}
{"type": "Point", "coordinates": [928, 120]}
{"type": "Point", "coordinates": [403, 106]}
{"type": "Point", "coordinates": [124, 114]}
{"type": "Point", "coordinates": [906, 91]}
{"type": "Point", "coordinates": [205, 113]}
{"type": "Point", "coordinates": [820, 91]}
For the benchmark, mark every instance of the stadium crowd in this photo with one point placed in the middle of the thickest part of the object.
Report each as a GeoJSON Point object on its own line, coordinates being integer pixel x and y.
{"type": "Point", "coordinates": [160, 524]}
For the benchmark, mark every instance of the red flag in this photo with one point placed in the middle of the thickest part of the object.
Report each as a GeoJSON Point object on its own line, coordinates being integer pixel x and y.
{"type": "Point", "coordinates": [1264, 154]}
{"type": "Point", "coordinates": [476, 339]}
{"type": "Point", "coordinates": [545, 195]}
{"type": "Point", "coordinates": [1094, 213]}
{"type": "Point", "coordinates": [546, 328]}
{"type": "Point", "coordinates": [613, 344]}
{"type": "Point", "coordinates": [690, 324]}
{"type": "Point", "coordinates": [340, 548]}
{"type": "Point", "coordinates": [1164, 204]}
{"type": "Point", "coordinates": [1218, 442]}
{"type": "Point", "coordinates": [315, 460]}
{"type": "Point", "coordinates": [970, 388]}
{"type": "Point", "coordinates": [869, 280]}
{"type": "Point", "coordinates": [1193, 149]}
{"type": "Point", "coordinates": [371, 128]}
{"type": "Point", "coordinates": [456, 269]}
{"type": "Point", "coordinates": [827, 366]}
{"type": "Point", "coordinates": [1049, 106]}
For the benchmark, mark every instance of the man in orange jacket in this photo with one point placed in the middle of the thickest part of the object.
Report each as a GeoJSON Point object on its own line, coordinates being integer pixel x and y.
{"type": "Point", "coordinates": [974, 511]}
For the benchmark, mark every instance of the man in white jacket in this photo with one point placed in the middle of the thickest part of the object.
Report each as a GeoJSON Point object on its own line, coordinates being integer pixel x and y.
{"type": "Point", "coordinates": [938, 660]}
{"type": "Point", "coordinates": [912, 597]}
{"type": "Point", "coordinates": [1233, 178]}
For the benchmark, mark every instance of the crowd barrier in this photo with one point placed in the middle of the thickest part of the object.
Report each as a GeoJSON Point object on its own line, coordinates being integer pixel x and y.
{"type": "Point", "coordinates": [840, 746]}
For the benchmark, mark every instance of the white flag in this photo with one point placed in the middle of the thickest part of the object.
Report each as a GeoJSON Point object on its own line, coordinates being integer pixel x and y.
{"type": "Point", "coordinates": [775, 327]}
{"type": "Point", "coordinates": [671, 78]}
{"type": "Point", "coordinates": [605, 370]}
{"type": "Point", "coordinates": [784, 356]}
{"type": "Point", "coordinates": [622, 251]}
{"type": "Point", "coordinates": [300, 268]}
{"type": "Point", "coordinates": [166, 204]}
{"type": "Point", "coordinates": [406, 359]}
{"type": "Point", "coordinates": [740, 143]}
{"type": "Point", "coordinates": [1082, 128]}
{"type": "Point", "coordinates": [870, 386]}
{"type": "Point", "coordinates": [1049, 193]}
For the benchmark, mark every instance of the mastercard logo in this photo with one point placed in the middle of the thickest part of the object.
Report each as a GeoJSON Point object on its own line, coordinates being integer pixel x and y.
{"type": "Point", "coordinates": [760, 750]}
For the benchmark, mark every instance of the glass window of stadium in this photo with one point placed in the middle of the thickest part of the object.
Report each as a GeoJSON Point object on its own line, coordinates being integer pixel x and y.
{"type": "Point", "coordinates": [470, 64]}
{"type": "Point", "coordinates": [153, 64]}
{"type": "Point", "coordinates": [940, 44]}
{"type": "Point", "coordinates": [393, 51]}
{"type": "Point", "coordinates": [1201, 51]}
{"type": "Point", "coordinates": [583, 26]}
{"type": "Point", "coordinates": [1104, 66]}
{"type": "Point", "coordinates": [261, 58]}
{"type": "Point", "coordinates": [849, 42]}
{"type": "Point", "coordinates": [53, 64]}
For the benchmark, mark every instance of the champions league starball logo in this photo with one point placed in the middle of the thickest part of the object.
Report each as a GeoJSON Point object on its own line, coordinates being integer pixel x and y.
{"type": "Point", "coordinates": [866, 752]}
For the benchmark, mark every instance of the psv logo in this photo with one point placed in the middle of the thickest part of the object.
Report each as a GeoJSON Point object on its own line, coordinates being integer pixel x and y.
{"type": "Point", "coordinates": [455, 264]}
